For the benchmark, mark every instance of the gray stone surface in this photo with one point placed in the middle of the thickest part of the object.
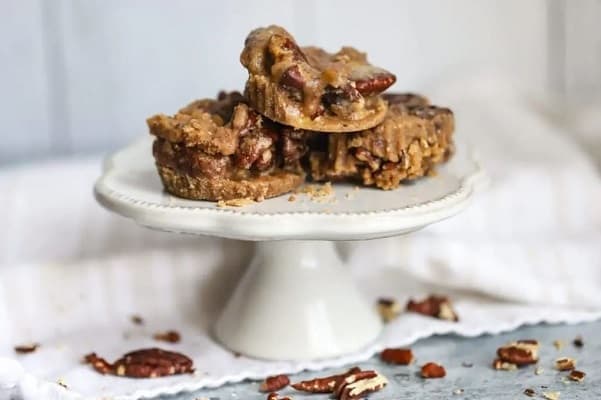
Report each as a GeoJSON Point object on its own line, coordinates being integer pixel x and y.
{"type": "Point", "coordinates": [478, 382]}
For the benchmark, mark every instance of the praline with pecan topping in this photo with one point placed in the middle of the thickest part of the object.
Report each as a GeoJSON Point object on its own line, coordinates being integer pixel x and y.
{"type": "Point", "coordinates": [308, 88]}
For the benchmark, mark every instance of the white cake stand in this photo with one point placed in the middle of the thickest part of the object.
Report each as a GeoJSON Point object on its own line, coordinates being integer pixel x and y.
{"type": "Point", "coordinates": [296, 301]}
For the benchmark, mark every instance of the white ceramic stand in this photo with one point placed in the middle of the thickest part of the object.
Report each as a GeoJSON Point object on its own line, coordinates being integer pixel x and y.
{"type": "Point", "coordinates": [299, 294]}
{"type": "Point", "coordinates": [296, 301]}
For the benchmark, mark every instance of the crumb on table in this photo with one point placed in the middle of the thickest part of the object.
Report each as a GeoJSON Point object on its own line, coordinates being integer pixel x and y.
{"type": "Point", "coordinates": [235, 202]}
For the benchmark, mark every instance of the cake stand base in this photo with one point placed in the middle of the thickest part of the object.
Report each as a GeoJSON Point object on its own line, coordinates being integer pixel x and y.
{"type": "Point", "coordinates": [296, 301]}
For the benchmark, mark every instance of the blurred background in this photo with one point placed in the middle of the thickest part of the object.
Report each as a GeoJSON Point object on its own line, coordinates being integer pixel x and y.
{"type": "Point", "coordinates": [80, 77]}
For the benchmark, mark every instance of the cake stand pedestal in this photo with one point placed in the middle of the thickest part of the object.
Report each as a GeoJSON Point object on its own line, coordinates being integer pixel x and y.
{"type": "Point", "coordinates": [295, 301]}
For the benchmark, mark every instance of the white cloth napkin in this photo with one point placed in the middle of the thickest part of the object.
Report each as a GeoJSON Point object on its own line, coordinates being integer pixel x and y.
{"type": "Point", "coordinates": [71, 274]}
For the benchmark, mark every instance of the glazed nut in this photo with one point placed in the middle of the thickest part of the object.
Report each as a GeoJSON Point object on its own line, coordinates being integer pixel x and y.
{"type": "Point", "coordinates": [499, 364]}
{"type": "Point", "coordinates": [397, 356]}
{"type": "Point", "coordinates": [350, 378]}
{"type": "Point", "coordinates": [565, 364]}
{"type": "Point", "coordinates": [434, 306]}
{"type": "Point", "coordinates": [357, 385]}
{"type": "Point", "coordinates": [521, 352]}
{"type": "Point", "coordinates": [577, 376]}
{"type": "Point", "coordinates": [326, 384]}
{"type": "Point", "coordinates": [145, 363]}
{"type": "Point", "coordinates": [374, 82]}
{"type": "Point", "coordinates": [432, 370]}
{"type": "Point", "coordinates": [273, 383]}
{"type": "Point", "coordinates": [388, 309]}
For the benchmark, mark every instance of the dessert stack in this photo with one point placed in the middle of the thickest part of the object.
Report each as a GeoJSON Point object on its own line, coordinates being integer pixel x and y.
{"type": "Point", "coordinates": [305, 115]}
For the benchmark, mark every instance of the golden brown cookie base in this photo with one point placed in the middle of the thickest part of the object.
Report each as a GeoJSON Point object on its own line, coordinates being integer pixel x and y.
{"type": "Point", "coordinates": [274, 103]}
{"type": "Point", "coordinates": [256, 188]}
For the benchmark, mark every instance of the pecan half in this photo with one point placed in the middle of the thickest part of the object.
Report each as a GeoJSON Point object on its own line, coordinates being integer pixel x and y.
{"type": "Point", "coordinates": [576, 375]}
{"type": "Point", "coordinates": [145, 363]}
{"type": "Point", "coordinates": [357, 385]}
{"type": "Point", "coordinates": [565, 364]}
{"type": "Point", "coordinates": [434, 306]}
{"type": "Point", "coordinates": [432, 370]}
{"type": "Point", "coordinates": [397, 356]}
{"type": "Point", "coordinates": [326, 384]}
{"type": "Point", "coordinates": [168, 336]}
{"type": "Point", "coordinates": [388, 308]}
{"type": "Point", "coordinates": [375, 82]}
{"type": "Point", "coordinates": [273, 383]}
{"type": "Point", "coordinates": [521, 352]}
{"type": "Point", "coordinates": [352, 378]}
{"type": "Point", "coordinates": [26, 348]}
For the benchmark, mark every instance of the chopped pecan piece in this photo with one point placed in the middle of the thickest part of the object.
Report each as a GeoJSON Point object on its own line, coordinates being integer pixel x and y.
{"type": "Point", "coordinates": [499, 364]}
{"type": "Point", "coordinates": [146, 363]}
{"type": "Point", "coordinates": [388, 308]}
{"type": "Point", "coordinates": [323, 385]}
{"type": "Point", "coordinates": [137, 320]}
{"type": "Point", "coordinates": [521, 352]}
{"type": "Point", "coordinates": [578, 342]}
{"type": "Point", "coordinates": [565, 364]}
{"type": "Point", "coordinates": [434, 306]}
{"type": "Point", "coordinates": [168, 336]}
{"type": "Point", "coordinates": [374, 83]}
{"type": "Point", "coordinates": [293, 78]}
{"type": "Point", "coordinates": [273, 383]}
{"type": "Point", "coordinates": [397, 356]}
{"type": "Point", "coordinates": [432, 370]}
{"type": "Point", "coordinates": [355, 386]}
{"type": "Point", "coordinates": [26, 348]}
{"type": "Point", "coordinates": [576, 375]}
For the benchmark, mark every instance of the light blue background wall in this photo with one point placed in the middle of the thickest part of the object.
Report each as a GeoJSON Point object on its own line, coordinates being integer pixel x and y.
{"type": "Point", "coordinates": [81, 76]}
